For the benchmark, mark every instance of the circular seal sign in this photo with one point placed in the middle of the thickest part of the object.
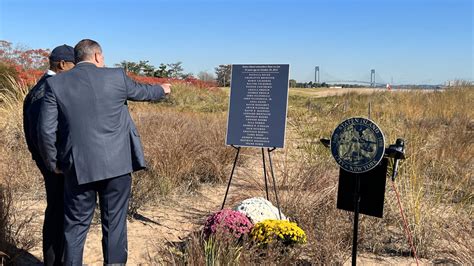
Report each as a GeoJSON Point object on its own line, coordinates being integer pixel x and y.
{"type": "Point", "coordinates": [357, 144]}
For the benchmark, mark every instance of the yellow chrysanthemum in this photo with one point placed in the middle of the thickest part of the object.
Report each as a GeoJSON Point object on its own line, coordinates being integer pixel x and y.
{"type": "Point", "coordinates": [269, 230]}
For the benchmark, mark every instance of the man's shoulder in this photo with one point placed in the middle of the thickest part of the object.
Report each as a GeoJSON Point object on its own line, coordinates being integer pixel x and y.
{"type": "Point", "coordinates": [112, 70]}
{"type": "Point", "coordinates": [37, 91]}
{"type": "Point", "coordinates": [91, 72]}
{"type": "Point", "coordinates": [102, 70]}
{"type": "Point", "coordinates": [56, 78]}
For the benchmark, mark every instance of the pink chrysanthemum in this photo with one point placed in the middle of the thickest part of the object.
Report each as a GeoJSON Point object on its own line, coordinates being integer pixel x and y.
{"type": "Point", "coordinates": [228, 222]}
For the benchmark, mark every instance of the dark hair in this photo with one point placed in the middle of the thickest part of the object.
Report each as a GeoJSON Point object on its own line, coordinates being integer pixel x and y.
{"type": "Point", "coordinates": [53, 64]}
{"type": "Point", "coordinates": [85, 49]}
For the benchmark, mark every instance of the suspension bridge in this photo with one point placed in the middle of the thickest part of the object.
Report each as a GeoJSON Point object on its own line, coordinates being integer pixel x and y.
{"type": "Point", "coordinates": [370, 78]}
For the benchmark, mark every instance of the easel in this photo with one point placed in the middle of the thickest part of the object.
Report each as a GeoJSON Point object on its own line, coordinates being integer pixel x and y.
{"type": "Point", "coordinates": [269, 150]}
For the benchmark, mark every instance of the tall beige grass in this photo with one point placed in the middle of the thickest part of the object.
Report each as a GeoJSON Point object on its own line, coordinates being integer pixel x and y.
{"type": "Point", "coordinates": [19, 179]}
{"type": "Point", "coordinates": [183, 140]}
{"type": "Point", "coordinates": [435, 181]}
{"type": "Point", "coordinates": [182, 149]}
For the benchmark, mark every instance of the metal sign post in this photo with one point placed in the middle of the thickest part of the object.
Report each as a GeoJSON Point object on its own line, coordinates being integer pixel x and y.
{"type": "Point", "coordinates": [356, 219]}
{"type": "Point", "coordinates": [358, 146]}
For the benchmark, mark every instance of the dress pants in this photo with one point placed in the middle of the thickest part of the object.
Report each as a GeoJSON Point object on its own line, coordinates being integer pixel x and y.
{"type": "Point", "coordinates": [53, 242]}
{"type": "Point", "coordinates": [80, 202]}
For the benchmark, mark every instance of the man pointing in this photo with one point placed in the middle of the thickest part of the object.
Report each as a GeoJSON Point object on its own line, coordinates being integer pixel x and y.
{"type": "Point", "coordinates": [84, 132]}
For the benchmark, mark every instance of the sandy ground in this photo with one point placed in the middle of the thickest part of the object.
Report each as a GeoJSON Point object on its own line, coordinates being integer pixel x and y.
{"type": "Point", "coordinates": [167, 222]}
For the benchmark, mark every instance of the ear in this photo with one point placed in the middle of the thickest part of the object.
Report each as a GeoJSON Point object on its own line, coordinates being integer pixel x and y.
{"type": "Point", "coordinates": [97, 57]}
{"type": "Point", "coordinates": [62, 65]}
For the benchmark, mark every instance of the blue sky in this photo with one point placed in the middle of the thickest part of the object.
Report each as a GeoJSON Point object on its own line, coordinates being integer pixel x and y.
{"type": "Point", "coordinates": [407, 41]}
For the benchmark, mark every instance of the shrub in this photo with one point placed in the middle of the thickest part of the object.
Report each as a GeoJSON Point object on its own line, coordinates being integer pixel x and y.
{"type": "Point", "coordinates": [196, 83]}
{"type": "Point", "coordinates": [27, 64]}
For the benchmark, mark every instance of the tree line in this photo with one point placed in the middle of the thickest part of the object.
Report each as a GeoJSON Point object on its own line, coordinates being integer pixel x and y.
{"type": "Point", "coordinates": [175, 70]}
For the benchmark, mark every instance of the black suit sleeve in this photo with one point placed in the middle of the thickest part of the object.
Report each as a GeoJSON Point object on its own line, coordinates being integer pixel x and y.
{"type": "Point", "coordinates": [26, 123]}
{"type": "Point", "coordinates": [142, 92]}
{"type": "Point", "coordinates": [47, 127]}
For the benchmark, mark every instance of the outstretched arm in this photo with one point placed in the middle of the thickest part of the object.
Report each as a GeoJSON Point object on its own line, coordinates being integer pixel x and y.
{"type": "Point", "coordinates": [47, 127]}
{"type": "Point", "coordinates": [144, 92]}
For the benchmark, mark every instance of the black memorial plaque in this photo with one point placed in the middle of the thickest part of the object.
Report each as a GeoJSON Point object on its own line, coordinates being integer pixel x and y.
{"type": "Point", "coordinates": [258, 106]}
{"type": "Point", "coordinates": [372, 190]}
{"type": "Point", "coordinates": [357, 145]}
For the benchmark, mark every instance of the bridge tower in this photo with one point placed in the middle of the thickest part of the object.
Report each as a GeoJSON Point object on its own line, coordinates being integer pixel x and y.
{"type": "Point", "coordinates": [316, 74]}
{"type": "Point", "coordinates": [372, 78]}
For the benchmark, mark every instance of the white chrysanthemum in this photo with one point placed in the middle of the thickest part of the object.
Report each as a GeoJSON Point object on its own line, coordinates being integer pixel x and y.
{"type": "Point", "coordinates": [258, 209]}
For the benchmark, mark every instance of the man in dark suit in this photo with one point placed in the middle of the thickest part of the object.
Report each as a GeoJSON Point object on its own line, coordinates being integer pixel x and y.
{"type": "Point", "coordinates": [61, 59]}
{"type": "Point", "coordinates": [84, 132]}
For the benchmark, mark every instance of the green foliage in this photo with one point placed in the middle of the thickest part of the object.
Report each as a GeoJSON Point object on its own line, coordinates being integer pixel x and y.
{"type": "Point", "coordinates": [292, 83]}
{"type": "Point", "coordinates": [223, 75]}
{"type": "Point", "coordinates": [175, 70]}
{"type": "Point", "coordinates": [140, 68]}
{"type": "Point", "coordinates": [162, 71]}
{"type": "Point", "coordinates": [143, 68]}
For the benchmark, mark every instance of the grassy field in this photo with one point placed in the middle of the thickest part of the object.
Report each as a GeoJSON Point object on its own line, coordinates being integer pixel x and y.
{"type": "Point", "coordinates": [435, 181]}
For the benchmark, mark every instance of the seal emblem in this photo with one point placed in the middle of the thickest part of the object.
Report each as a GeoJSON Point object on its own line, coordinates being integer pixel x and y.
{"type": "Point", "coordinates": [357, 144]}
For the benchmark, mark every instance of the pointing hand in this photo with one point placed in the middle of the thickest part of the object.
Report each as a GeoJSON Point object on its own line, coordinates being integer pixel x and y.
{"type": "Point", "coordinates": [166, 87]}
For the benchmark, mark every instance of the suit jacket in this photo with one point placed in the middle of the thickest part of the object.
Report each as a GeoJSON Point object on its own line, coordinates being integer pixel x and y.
{"type": "Point", "coordinates": [31, 108]}
{"type": "Point", "coordinates": [84, 126]}
{"type": "Point", "coordinates": [138, 158]}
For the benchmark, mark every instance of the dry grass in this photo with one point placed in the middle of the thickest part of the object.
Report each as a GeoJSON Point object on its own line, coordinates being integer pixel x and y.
{"type": "Point", "coordinates": [16, 168]}
{"type": "Point", "coordinates": [435, 180]}
{"type": "Point", "coordinates": [182, 149]}
{"type": "Point", "coordinates": [183, 140]}
{"type": "Point", "coordinates": [219, 250]}
{"type": "Point", "coordinates": [20, 180]}
{"type": "Point", "coordinates": [185, 97]}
